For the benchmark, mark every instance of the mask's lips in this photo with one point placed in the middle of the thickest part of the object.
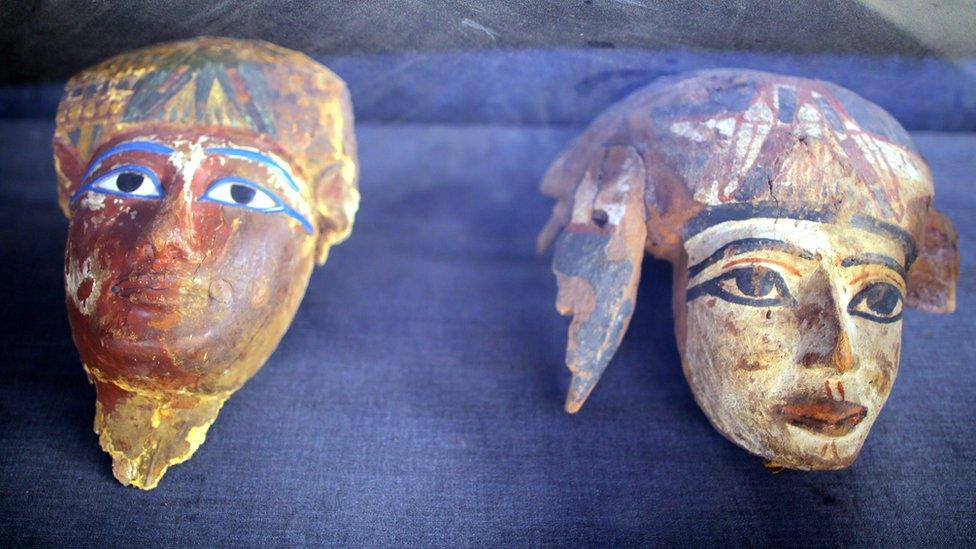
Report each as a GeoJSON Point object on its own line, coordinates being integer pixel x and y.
{"type": "Point", "coordinates": [826, 416]}
{"type": "Point", "coordinates": [159, 289]}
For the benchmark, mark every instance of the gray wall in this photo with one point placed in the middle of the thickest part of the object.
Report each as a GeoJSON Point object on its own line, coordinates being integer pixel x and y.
{"type": "Point", "coordinates": [52, 39]}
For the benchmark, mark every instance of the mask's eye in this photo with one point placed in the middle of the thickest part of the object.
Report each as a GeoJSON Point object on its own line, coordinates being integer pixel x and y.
{"type": "Point", "coordinates": [126, 181]}
{"type": "Point", "coordinates": [756, 286]}
{"type": "Point", "coordinates": [880, 302]}
{"type": "Point", "coordinates": [243, 194]}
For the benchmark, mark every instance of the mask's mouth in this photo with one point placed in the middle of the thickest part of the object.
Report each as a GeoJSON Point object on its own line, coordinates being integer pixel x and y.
{"type": "Point", "coordinates": [153, 289]}
{"type": "Point", "coordinates": [148, 290]}
{"type": "Point", "coordinates": [824, 416]}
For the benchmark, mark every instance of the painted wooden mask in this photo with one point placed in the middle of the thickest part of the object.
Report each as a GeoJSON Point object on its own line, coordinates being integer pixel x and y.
{"type": "Point", "coordinates": [202, 180]}
{"type": "Point", "coordinates": [798, 218]}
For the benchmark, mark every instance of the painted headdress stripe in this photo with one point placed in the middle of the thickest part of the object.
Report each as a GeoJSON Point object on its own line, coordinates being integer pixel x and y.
{"type": "Point", "coordinates": [739, 211]}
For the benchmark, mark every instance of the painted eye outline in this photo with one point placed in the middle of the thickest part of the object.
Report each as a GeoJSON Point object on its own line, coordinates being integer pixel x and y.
{"type": "Point", "coordinates": [279, 205]}
{"type": "Point", "coordinates": [716, 287]}
{"type": "Point", "coordinates": [862, 296]}
{"type": "Point", "coordinates": [93, 186]}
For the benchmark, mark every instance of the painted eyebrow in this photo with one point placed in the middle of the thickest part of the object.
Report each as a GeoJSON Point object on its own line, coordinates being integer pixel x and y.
{"type": "Point", "coordinates": [744, 245]}
{"type": "Point", "coordinates": [257, 157]}
{"type": "Point", "coordinates": [140, 146]}
{"type": "Point", "coordinates": [875, 259]}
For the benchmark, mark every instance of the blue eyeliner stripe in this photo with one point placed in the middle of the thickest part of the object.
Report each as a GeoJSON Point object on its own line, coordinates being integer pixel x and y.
{"type": "Point", "coordinates": [298, 217]}
{"type": "Point", "coordinates": [281, 206]}
{"type": "Point", "coordinates": [121, 169]}
{"type": "Point", "coordinates": [141, 146]}
{"type": "Point", "coordinates": [257, 157]}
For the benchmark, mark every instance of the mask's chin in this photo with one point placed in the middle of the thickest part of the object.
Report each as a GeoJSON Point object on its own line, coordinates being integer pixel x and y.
{"type": "Point", "coordinates": [804, 450]}
{"type": "Point", "coordinates": [793, 444]}
{"type": "Point", "coordinates": [793, 429]}
{"type": "Point", "coordinates": [153, 413]}
{"type": "Point", "coordinates": [147, 432]}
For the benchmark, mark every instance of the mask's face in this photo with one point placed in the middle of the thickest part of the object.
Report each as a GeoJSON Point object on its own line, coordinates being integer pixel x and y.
{"type": "Point", "coordinates": [187, 257]}
{"type": "Point", "coordinates": [790, 334]}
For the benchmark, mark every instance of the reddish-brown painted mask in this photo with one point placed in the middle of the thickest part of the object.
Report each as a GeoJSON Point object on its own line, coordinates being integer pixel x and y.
{"type": "Point", "coordinates": [203, 180]}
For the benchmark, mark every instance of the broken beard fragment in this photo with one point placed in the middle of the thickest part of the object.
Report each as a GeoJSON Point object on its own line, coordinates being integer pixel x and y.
{"type": "Point", "coordinates": [798, 218]}
{"type": "Point", "coordinates": [203, 180]}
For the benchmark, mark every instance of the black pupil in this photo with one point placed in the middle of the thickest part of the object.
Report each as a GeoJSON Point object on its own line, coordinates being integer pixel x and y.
{"type": "Point", "coordinates": [241, 194]}
{"type": "Point", "coordinates": [882, 299]}
{"type": "Point", "coordinates": [755, 282]}
{"type": "Point", "coordinates": [128, 182]}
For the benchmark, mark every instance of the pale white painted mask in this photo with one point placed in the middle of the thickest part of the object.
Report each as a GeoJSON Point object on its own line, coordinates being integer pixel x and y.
{"type": "Point", "coordinates": [798, 219]}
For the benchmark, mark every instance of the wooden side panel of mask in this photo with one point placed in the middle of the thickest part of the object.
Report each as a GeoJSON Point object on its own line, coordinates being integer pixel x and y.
{"type": "Point", "coordinates": [932, 278]}
{"type": "Point", "coordinates": [597, 264]}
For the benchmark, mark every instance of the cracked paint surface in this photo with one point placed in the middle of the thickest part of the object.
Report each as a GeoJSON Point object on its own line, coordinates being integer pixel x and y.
{"type": "Point", "coordinates": [203, 181]}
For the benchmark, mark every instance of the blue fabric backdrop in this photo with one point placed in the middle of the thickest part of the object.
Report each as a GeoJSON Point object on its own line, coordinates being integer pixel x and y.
{"type": "Point", "coordinates": [417, 398]}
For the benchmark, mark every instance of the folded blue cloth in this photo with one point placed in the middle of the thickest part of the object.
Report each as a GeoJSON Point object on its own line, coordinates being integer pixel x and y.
{"type": "Point", "coordinates": [417, 398]}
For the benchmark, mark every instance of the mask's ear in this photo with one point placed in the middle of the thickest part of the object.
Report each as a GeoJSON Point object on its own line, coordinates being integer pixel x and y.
{"type": "Point", "coordinates": [597, 263]}
{"type": "Point", "coordinates": [69, 168]}
{"type": "Point", "coordinates": [932, 278]}
{"type": "Point", "coordinates": [337, 201]}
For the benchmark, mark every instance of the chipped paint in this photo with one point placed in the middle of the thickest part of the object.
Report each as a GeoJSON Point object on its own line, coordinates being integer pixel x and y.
{"type": "Point", "coordinates": [81, 274]}
{"type": "Point", "coordinates": [94, 201]}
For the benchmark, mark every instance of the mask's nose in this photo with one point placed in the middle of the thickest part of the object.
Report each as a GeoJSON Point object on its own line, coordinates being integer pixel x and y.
{"type": "Point", "coordinates": [171, 235]}
{"type": "Point", "coordinates": [825, 333]}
